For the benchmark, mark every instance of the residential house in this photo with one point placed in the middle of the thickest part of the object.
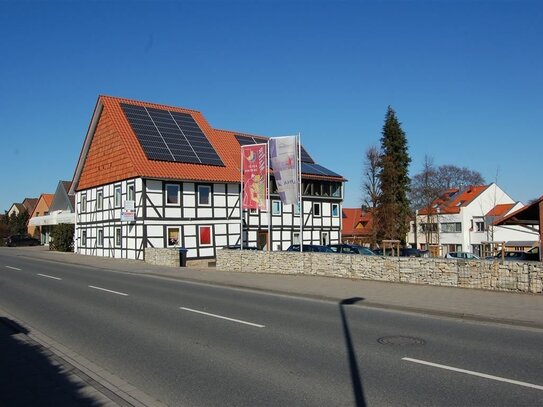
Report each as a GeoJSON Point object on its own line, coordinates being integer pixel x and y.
{"type": "Point", "coordinates": [16, 209]}
{"type": "Point", "coordinates": [464, 220]}
{"type": "Point", "coordinates": [155, 176]}
{"type": "Point", "coordinates": [60, 210]}
{"type": "Point", "coordinates": [356, 226]}
{"type": "Point", "coordinates": [42, 209]}
{"type": "Point", "coordinates": [30, 204]}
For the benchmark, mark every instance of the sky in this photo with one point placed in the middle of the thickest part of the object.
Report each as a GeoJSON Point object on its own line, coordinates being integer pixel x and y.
{"type": "Point", "coordinates": [465, 80]}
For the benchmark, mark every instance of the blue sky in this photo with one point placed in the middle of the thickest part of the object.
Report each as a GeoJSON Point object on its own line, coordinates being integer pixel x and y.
{"type": "Point", "coordinates": [465, 78]}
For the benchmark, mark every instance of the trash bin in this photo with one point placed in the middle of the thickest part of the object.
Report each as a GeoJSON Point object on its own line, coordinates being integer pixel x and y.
{"type": "Point", "coordinates": [183, 257]}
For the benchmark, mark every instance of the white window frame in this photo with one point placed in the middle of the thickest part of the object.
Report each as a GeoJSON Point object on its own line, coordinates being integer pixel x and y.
{"type": "Point", "coordinates": [84, 238]}
{"type": "Point", "coordinates": [176, 195]}
{"type": "Point", "coordinates": [209, 188]}
{"type": "Point", "coordinates": [117, 198]}
{"type": "Point", "coordinates": [84, 203]}
{"type": "Point", "coordinates": [100, 238]}
{"type": "Point", "coordinates": [200, 236]}
{"type": "Point", "coordinates": [276, 207]}
{"type": "Point", "coordinates": [131, 192]}
{"type": "Point", "coordinates": [118, 237]}
{"type": "Point", "coordinates": [168, 236]}
{"type": "Point", "coordinates": [335, 205]}
{"type": "Point", "coordinates": [99, 200]}
{"type": "Point", "coordinates": [317, 205]}
{"type": "Point", "coordinates": [296, 209]}
{"type": "Point", "coordinates": [296, 238]}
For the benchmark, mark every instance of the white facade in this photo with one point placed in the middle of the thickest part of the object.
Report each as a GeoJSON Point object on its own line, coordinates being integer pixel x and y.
{"type": "Point", "coordinates": [470, 228]}
{"type": "Point", "coordinates": [199, 216]}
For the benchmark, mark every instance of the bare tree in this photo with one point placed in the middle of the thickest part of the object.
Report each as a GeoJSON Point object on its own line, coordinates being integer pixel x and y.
{"type": "Point", "coordinates": [371, 188]}
{"type": "Point", "coordinates": [451, 176]}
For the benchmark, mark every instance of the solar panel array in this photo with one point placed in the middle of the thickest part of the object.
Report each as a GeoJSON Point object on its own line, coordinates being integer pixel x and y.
{"type": "Point", "coordinates": [244, 140]}
{"type": "Point", "coordinates": [308, 165]}
{"type": "Point", "coordinates": [171, 136]}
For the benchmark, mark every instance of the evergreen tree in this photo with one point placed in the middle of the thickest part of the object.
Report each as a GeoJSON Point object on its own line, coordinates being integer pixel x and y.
{"type": "Point", "coordinates": [393, 210]}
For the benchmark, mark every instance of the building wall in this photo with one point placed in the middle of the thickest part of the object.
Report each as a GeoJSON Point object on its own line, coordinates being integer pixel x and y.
{"type": "Point", "coordinates": [157, 219]}
{"type": "Point", "coordinates": [41, 232]}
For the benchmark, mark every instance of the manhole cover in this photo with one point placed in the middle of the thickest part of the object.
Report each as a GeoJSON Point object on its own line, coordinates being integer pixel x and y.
{"type": "Point", "coordinates": [401, 341]}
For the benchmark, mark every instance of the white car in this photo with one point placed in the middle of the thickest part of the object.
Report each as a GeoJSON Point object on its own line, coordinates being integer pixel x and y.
{"type": "Point", "coordinates": [462, 255]}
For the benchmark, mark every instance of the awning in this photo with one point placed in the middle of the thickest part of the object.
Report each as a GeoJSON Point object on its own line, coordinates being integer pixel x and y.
{"type": "Point", "coordinates": [52, 219]}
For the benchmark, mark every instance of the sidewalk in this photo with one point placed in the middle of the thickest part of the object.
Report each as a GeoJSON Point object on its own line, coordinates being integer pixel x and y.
{"type": "Point", "coordinates": [490, 306]}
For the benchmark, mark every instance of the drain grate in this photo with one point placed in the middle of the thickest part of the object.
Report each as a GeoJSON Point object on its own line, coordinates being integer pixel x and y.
{"type": "Point", "coordinates": [401, 341]}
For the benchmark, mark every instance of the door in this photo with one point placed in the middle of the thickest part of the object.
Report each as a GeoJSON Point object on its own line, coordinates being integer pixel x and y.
{"type": "Point", "coordinates": [262, 242]}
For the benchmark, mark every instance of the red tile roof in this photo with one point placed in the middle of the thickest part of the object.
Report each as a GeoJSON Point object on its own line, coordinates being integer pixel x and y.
{"type": "Point", "coordinates": [500, 210]}
{"type": "Point", "coordinates": [356, 222]}
{"type": "Point", "coordinates": [453, 199]}
{"type": "Point", "coordinates": [112, 151]}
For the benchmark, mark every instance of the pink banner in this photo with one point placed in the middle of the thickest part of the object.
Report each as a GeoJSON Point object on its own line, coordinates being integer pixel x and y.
{"type": "Point", "coordinates": [255, 176]}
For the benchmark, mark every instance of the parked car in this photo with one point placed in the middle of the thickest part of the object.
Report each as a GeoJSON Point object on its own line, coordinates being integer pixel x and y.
{"type": "Point", "coordinates": [517, 255]}
{"type": "Point", "coordinates": [462, 255]}
{"type": "Point", "coordinates": [351, 249]}
{"type": "Point", "coordinates": [21, 240]}
{"type": "Point", "coordinates": [412, 252]}
{"type": "Point", "coordinates": [310, 248]}
{"type": "Point", "coordinates": [237, 247]}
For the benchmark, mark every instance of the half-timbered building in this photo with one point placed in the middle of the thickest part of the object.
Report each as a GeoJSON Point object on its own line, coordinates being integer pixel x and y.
{"type": "Point", "coordinates": [158, 176]}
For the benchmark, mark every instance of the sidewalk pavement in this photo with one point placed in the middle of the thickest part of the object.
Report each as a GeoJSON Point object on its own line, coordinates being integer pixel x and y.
{"type": "Point", "coordinates": [490, 306]}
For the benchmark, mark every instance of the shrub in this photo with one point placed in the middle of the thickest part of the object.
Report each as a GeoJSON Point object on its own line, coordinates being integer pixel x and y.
{"type": "Point", "coordinates": [62, 237]}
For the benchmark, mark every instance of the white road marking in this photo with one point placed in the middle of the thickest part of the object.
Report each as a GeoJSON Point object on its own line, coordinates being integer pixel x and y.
{"type": "Point", "coordinates": [221, 317]}
{"type": "Point", "coordinates": [486, 376]}
{"type": "Point", "coordinates": [109, 291]}
{"type": "Point", "coordinates": [13, 268]}
{"type": "Point", "coordinates": [45, 275]}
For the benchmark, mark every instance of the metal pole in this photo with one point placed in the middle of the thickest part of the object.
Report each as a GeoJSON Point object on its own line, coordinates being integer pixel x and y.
{"type": "Point", "coordinates": [300, 192]}
{"type": "Point", "coordinates": [241, 204]}
{"type": "Point", "coordinates": [269, 195]}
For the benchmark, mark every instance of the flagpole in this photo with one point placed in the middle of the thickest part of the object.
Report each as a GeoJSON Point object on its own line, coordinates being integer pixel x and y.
{"type": "Point", "coordinates": [300, 192]}
{"type": "Point", "coordinates": [241, 204]}
{"type": "Point", "coordinates": [269, 195]}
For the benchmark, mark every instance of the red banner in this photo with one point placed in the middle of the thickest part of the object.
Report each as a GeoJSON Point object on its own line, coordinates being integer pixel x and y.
{"type": "Point", "coordinates": [255, 176]}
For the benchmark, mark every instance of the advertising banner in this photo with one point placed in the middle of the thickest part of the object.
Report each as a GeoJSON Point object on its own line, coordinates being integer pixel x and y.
{"type": "Point", "coordinates": [255, 176]}
{"type": "Point", "coordinates": [284, 162]}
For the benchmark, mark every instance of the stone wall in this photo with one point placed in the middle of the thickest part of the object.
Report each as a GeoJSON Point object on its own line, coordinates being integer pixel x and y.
{"type": "Point", "coordinates": [162, 257]}
{"type": "Point", "coordinates": [483, 274]}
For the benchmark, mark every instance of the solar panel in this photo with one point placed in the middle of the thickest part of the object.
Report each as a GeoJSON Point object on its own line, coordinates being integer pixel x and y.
{"type": "Point", "coordinates": [316, 169]}
{"type": "Point", "coordinates": [244, 140]}
{"type": "Point", "coordinates": [165, 135]}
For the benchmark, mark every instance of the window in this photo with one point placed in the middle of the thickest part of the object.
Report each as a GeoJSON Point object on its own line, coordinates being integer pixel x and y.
{"type": "Point", "coordinates": [84, 203]}
{"type": "Point", "coordinates": [451, 227]}
{"type": "Point", "coordinates": [428, 227]}
{"type": "Point", "coordinates": [204, 195]}
{"type": "Point", "coordinates": [100, 240]}
{"type": "Point", "coordinates": [335, 210]}
{"type": "Point", "coordinates": [336, 189]}
{"type": "Point", "coordinates": [205, 235]}
{"type": "Point", "coordinates": [117, 197]}
{"type": "Point", "coordinates": [172, 194]}
{"type": "Point", "coordinates": [296, 238]}
{"type": "Point", "coordinates": [316, 209]}
{"type": "Point", "coordinates": [276, 207]}
{"type": "Point", "coordinates": [173, 236]}
{"type": "Point", "coordinates": [296, 209]}
{"type": "Point", "coordinates": [480, 226]}
{"type": "Point", "coordinates": [131, 194]}
{"type": "Point", "coordinates": [118, 237]}
{"type": "Point", "coordinates": [99, 200]}
{"type": "Point", "coordinates": [83, 238]}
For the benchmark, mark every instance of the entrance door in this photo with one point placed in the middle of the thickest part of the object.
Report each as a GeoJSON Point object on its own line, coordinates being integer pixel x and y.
{"type": "Point", "coordinates": [262, 242]}
{"type": "Point", "coordinates": [325, 238]}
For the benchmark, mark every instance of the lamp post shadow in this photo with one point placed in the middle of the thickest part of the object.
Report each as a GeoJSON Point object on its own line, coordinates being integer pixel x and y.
{"type": "Point", "coordinates": [356, 380]}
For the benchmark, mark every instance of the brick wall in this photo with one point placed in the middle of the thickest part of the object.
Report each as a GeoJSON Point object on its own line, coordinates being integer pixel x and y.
{"type": "Point", "coordinates": [482, 274]}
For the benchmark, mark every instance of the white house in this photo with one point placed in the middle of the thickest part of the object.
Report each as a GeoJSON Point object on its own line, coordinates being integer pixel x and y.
{"type": "Point", "coordinates": [160, 176]}
{"type": "Point", "coordinates": [463, 220]}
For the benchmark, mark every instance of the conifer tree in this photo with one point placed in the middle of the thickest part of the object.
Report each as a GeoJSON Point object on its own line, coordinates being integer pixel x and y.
{"type": "Point", "coordinates": [393, 210]}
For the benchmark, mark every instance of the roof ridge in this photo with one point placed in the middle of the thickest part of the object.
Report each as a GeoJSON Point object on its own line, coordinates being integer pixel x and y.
{"type": "Point", "coordinates": [158, 105]}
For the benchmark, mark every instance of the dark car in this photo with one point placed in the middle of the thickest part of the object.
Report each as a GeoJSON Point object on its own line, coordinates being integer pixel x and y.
{"type": "Point", "coordinates": [310, 248]}
{"type": "Point", "coordinates": [517, 255]}
{"type": "Point", "coordinates": [21, 240]}
{"type": "Point", "coordinates": [351, 249]}
{"type": "Point", "coordinates": [237, 247]}
{"type": "Point", "coordinates": [412, 252]}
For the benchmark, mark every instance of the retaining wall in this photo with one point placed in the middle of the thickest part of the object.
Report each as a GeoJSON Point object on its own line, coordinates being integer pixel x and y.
{"type": "Point", "coordinates": [482, 274]}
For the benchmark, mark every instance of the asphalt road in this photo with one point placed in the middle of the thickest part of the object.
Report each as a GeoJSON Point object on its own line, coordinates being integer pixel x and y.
{"type": "Point", "coordinates": [194, 344]}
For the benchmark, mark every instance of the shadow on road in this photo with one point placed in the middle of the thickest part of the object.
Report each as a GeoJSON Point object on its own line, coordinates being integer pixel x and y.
{"type": "Point", "coordinates": [356, 380]}
{"type": "Point", "coordinates": [29, 375]}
